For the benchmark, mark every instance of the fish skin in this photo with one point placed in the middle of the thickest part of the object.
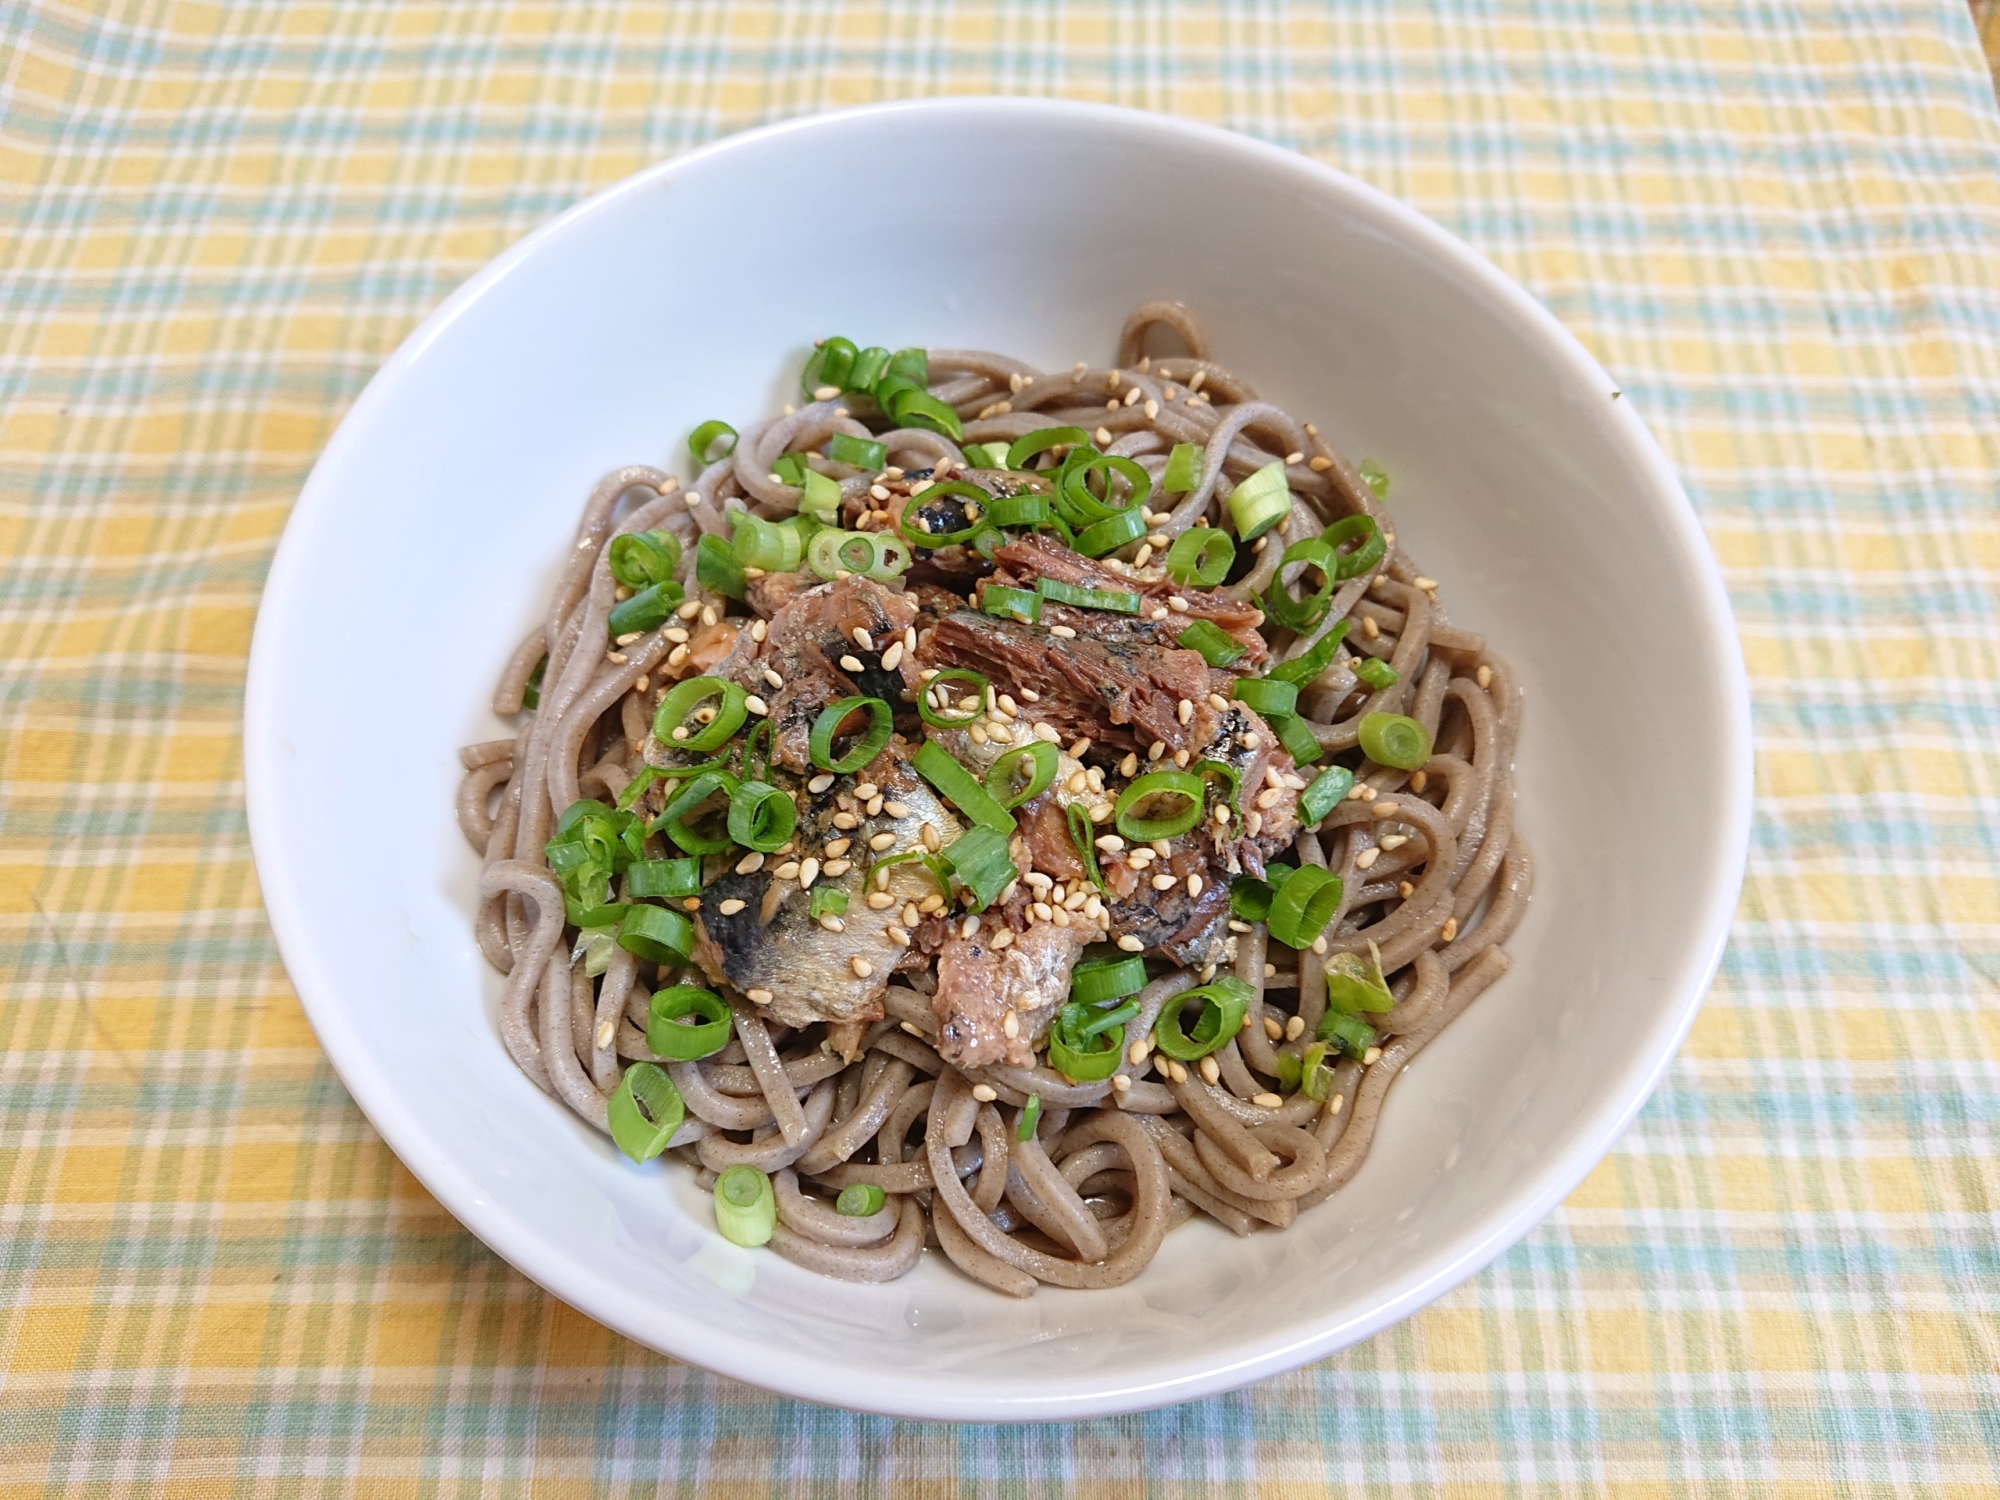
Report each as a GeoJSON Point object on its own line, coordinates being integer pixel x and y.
{"type": "Point", "coordinates": [808, 969]}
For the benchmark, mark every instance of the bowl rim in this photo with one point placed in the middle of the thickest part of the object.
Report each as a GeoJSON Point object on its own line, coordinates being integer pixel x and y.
{"type": "Point", "coordinates": [1459, 1257]}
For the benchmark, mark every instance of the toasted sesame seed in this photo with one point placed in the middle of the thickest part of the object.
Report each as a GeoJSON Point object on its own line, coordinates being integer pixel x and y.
{"type": "Point", "coordinates": [1194, 886]}
{"type": "Point", "coordinates": [1063, 631]}
{"type": "Point", "coordinates": [835, 868]}
{"type": "Point", "coordinates": [616, 656]}
{"type": "Point", "coordinates": [1372, 1056]}
{"type": "Point", "coordinates": [1249, 739]}
{"type": "Point", "coordinates": [1295, 458]}
{"type": "Point", "coordinates": [1419, 780]}
{"type": "Point", "coordinates": [750, 864]}
{"type": "Point", "coordinates": [1129, 766]}
{"type": "Point", "coordinates": [1144, 554]}
{"type": "Point", "coordinates": [898, 936]}
{"type": "Point", "coordinates": [1267, 1101]}
{"type": "Point", "coordinates": [820, 783]}
{"type": "Point", "coordinates": [1405, 889]}
{"type": "Point", "coordinates": [1369, 628]}
{"type": "Point", "coordinates": [1268, 797]}
{"type": "Point", "coordinates": [1217, 702]}
{"type": "Point", "coordinates": [850, 663]}
{"type": "Point", "coordinates": [1426, 584]}
{"type": "Point", "coordinates": [1383, 808]}
{"type": "Point", "coordinates": [693, 606]}
{"type": "Point", "coordinates": [1186, 711]}
{"type": "Point", "coordinates": [1081, 748]}
{"type": "Point", "coordinates": [1366, 858]}
{"type": "Point", "coordinates": [983, 1092]}
{"type": "Point", "coordinates": [1395, 840]}
{"type": "Point", "coordinates": [978, 735]}
{"type": "Point", "coordinates": [1211, 1070]}
{"type": "Point", "coordinates": [789, 870]}
{"type": "Point", "coordinates": [1048, 732]}
{"type": "Point", "coordinates": [1131, 944]}
{"type": "Point", "coordinates": [1450, 929]}
{"type": "Point", "coordinates": [896, 809]}
{"type": "Point", "coordinates": [675, 634]}
{"type": "Point", "coordinates": [759, 629]}
{"type": "Point", "coordinates": [1110, 843]}
{"type": "Point", "coordinates": [1236, 926]}
{"type": "Point", "coordinates": [861, 967]}
{"type": "Point", "coordinates": [643, 683]}
{"type": "Point", "coordinates": [606, 1034]}
{"type": "Point", "coordinates": [930, 838]}
{"type": "Point", "coordinates": [1178, 1073]}
{"type": "Point", "coordinates": [1104, 433]}
{"type": "Point", "coordinates": [808, 871]}
{"type": "Point", "coordinates": [1274, 1029]}
{"type": "Point", "coordinates": [833, 924]}
{"type": "Point", "coordinates": [837, 847]}
{"type": "Point", "coordinates": [692, 903]}
{"type": "Point", "coordinates": [1221, 814]}
{"type": "Point", "coordinates": [708, 614]}
{"type": "Point", "coordinates": [1156, 750]}
{"type": "Point", "coordinates": [1295, 1028]}
{"type": "Point", "coordinates": [880, 900]}
{"type": "Point", "coordinates": [1011, 1025]}
{"type": "Point", "coordinates": [1320, 464]}
{"type": "Point", "coordinates": [1182, 758]}
{"type": "Point", "coordinates": [845, 820]}
{"type": "Point", "coordinates": [758, 997]}
{"type": "Point", "coordinates": [1253, 822]}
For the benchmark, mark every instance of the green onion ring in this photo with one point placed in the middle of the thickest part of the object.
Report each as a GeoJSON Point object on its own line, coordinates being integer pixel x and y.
{"type": "Point", "coordinates": [644, 1111]}
{"type": "Point", "coordinates": [1002, 778]}
{"type": "Point", "coordinates": [1140, 830]}
{"type": "Point", "coordinates": [703, 438]}
{"type": "Point", "coordinates": [1201, 557]}
{"type": "Point", "coordinates": [1080, 506]}
{"type": "Point", "coordinates": [1084, 1057]}
{"type": "Point", "coordinates": [1041, 440]}
{"type": "Point", "coordinates": [761, 817]}
{"type": "Point", "coordinates": [1362, 558]}
{"type": "Point", "coordinates": [667, 1037]}
{"type": "Point", "coordinates": [937, 766]}
{"type": "Point", "coordinates": [746, 1210]}
{"type": "Point", "coordinates": [1303, 906]}
{"type": "Point", "coordinates": [655, 933]}
{"type": "Point", "coordinates": [1395, 740]}
{"type": "Point", "coordinates": [1223, 1005]}
{"type": "Point", "coordinates": [1269, 696]}
{"type": "Point", "coordinates": [960, 489]}
{"type": "Point", "coordinates": [1303, 611]}
{"type": "Point", "coordinates": [944, 718]}
{"type": "Point", "coordinates": [680, 702]}
{"type": "Point", "coordinates": [881, 721]}
{"type": "Point", "coordinates": [860, 1200]}
{"type": "Point", "coordinates": [672, 821]}
{"type": "Point", "coordinates": [1103, 979]}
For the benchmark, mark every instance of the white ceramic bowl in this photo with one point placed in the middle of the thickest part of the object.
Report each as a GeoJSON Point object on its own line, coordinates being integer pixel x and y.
{"type": "Point", "coordinates": [425, 540]}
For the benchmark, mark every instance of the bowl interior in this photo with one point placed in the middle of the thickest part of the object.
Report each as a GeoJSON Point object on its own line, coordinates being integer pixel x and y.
{"type": "Point", "coordinates": [425, 542]}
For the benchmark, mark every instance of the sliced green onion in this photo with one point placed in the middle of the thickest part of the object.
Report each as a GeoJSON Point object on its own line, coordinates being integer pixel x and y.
{"type": "Point", "coordinates": [831, 363]}
{"type": "Point", "coordinates": [1355, 528]}
{"type": "Point", "coordinates": [1185, 785]}
{"type": "Point", "coordinates": [764, 544]}
{"type": "Point", "coordinates": [756, 763]}
{"type": "Point", "coordinates": [1260, 502]}
{"type": "Point", "coordinates": [676, 709]}
{"type": "Point", "coordinates": [828, 901]}
{"type": "Point", "coordinates": [1031, 1115]}
{"type": "Point", "coordinates": [1376, 478]}
{"type": "Point", "coordinates": [1303, 668]}
{"type": "Point", "coordinates": [1104, 979]}
{"type": "Point", "coordinates": [892, 555]}
{"type": "Point", "coordinates": [791, 468]}
{"type": "Point", "coordinates": [667, 1034]}
{"type": "Point", "coordinates": [640, 559]}
{"type": "Point", "coordinates": [913, 408]}
{"type": "Point", "coordinates": [869, 366]}
{"type": "Point", "coordinates": [979, 861]}
{"type": "Point", "coordinates": [1314, 1078]}
{"type": "Point", "coordinates": [1028, 445]}
{"type": "Point", "coordinates": [1223, 1005]}
{"type": "Point", "coordinates": [1395, 740]}
{"type": "Point", "coordinates": [595, 945]}
{"type": "Point", "coordinates": [860, 1200]}
{"type": "Point", "coordinates": [664, 878]}
{"type": "Point", "coordinates": [1082, 1050]}
{"type": "Point", "coordinates": [1305, 903]}
{"type": "Point", "coordinates": [976, 502]}
{"type": "Point", "coordinates": [590, 844]}
{"type": "Point", "coordinates": [819, 498]}
{"type": "Point", "coordinates": [1011, 603]}
{"type": "Point", "coordinates": [644, 1111]}
{"type": "Point", "coordinates": [1087, 598]}
{"type": "Point", "coordinates": [987, 455]}
{"type": "Point", "coordinates": [1269, 696]}
{"type": "Point", "coordinates": [1346, 1033]}
{"type": "Point", "coordinates": [1101, 538]}
{"type": "Point", "coordinates": [1106, 1020]}
{"type": "Point", "coordinates": [584, 918]}
{"type": "Point", "coordinates": [715, 570]}
{"type": "Point", "coordinates": [1355, 984]}
{"type": "Point", "coordinates": [913, 365]}
{"type": "Point", "coordinates": [1250, 898]}
{"type": "Point", "coordinates": [1328, 790]}
{"type": "Point", "coordinates": [863, 453]}
{"type": "Point", "coordinates": [952, 717]}
{"type": "Point", "coordinates": [864, 748]}
{"type": "Point", "coordinates": [1021, 510]}
{"type": "Point", "coordinates": [702, 441]}
{"type": "Point", "coordinates": [831, 553]}
{"type": "Point", "coordinates": [1302, 611]}
{"type": "Point", "coordinates": [1183, 471]}
{"type": "Point", "coordinates": [1201, 557]}
{"type": "Point", "coordinates": [673, 820]}
{"type": "Point", "coordinates": [653, 932]}
{"type": "Point", "coordinates": [1023, 773]}
{"type": "Point", "coordinates": [761, 817]}
{"type": "Point", "coordinates": [1075, 499]}
{"type": "Point", "coordinates": [935, 764]}
{"type": "Point", "coordinates": [1217, 646]}
{"type": "Point", "coordinates": [1083, 834]}
{"type": "Point", "coordinates": [1297, 736]}
{"type": "Point", "coordinates": [531, 690]}
{"type": "Point", "coordinates": [746, 1210]}
{"type": "Point", "coordinates": [646, 610]}
{"type": "Point", "coordinates": [1212, 771]}
{"type": "Point", "coordinates": [1375, 673]}
{"type": "Point", "coordinates": [1291, 1069]}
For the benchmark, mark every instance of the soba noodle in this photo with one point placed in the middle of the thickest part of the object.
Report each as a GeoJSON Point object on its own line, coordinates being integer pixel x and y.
{"type": "Point", "coordinates": [1020, 1174]}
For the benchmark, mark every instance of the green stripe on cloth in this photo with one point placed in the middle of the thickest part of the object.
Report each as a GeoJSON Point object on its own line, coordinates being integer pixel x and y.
{"type": "Point", "coordinates": [1778, 226]}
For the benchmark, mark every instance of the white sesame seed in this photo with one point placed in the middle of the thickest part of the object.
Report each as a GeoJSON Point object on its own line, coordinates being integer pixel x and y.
{"type": "Point", "coordinates": [1450, 930]}
{"type": "Point", "coordinates": [1194, 884]}
{"type": "Point", "coordinates": [1268, 797]}
{"type": "Point", "coordinates": [1295, 1028]}
{"type": "Point", "coordinates": [977, 733]}
{"type": "Point", "coordinates": [1104, 435]}
{"type": "Point", "coordinates": [1164, 882]}
{"type": "Point", "coordinates": [808, 871]}
{"type": "Point", "coordinates": [893, 657]}
{"type": "Point", "coordinates": [1319, 946]}
{"type": "Point", "coordinates": [862, 968]}
{"type": "Point", "coordinates": [708, 614]}
{"type": "Point", "coordinates": [898, 936]}
{"type": "Point", "coordinates": [1366, 858]}
{"type": "Point", "coordinates": [756, 705]}
{"type": "Point", "coordinates": [1253, 823]}
{"type": "Point", "coordinates": [1131, 944]}
{"type": "Point", "coordinates": [1384, 808]}
{"type": "Point", "coordinates": [896, 809]}
{"type": "Point", "coordinates": [1211, 1070]}
{"type": "Point", "coordinates": [1110, 843]}
{"type": "Point", "coordinates": [759, 629]}
{"type": "Point", "coordinates": [616, 656]}
{"type": "Point", "coordinates": [850, 663]}
{"type": "Point", "coordinates": [1395, 840]}
{"type": "Point", "coordinates": [1011, 1025]}
{"type": "Point", "coordinates": [820, 783]}
{"type": "Point", "coordinates": [983, 1092]}
{"type": "Point", "coordinates": [758, 997]}
{"type": "Point", "coordinates": [1426, 584]}
{"type": "Point", "coordinates": [1267, 1101]}
{"type": "Point", "coordinates": [863, 639]}
{"type": "Point", "coordinates": [837, 847]}
{"type": "Point", "coordinates": [1064, 631]}
{"type": "Point", "coordinates": [750, 863]}
{"type": "Point", "coordinates": [693, 606]}
{"type": "Point", "coordinates": [773, 679]}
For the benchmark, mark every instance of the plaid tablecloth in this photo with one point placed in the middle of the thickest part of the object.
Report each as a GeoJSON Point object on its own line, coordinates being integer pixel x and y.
{"type": "Point", "coordinates": [1778, 225]}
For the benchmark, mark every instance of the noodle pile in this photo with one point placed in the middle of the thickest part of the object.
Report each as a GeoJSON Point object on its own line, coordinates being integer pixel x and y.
{"type": "Point", "coordinates": [1434, 876]}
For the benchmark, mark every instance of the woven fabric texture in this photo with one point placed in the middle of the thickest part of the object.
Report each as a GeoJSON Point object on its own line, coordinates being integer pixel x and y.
{"type": "Point", "coordinates": [1777, 225]}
